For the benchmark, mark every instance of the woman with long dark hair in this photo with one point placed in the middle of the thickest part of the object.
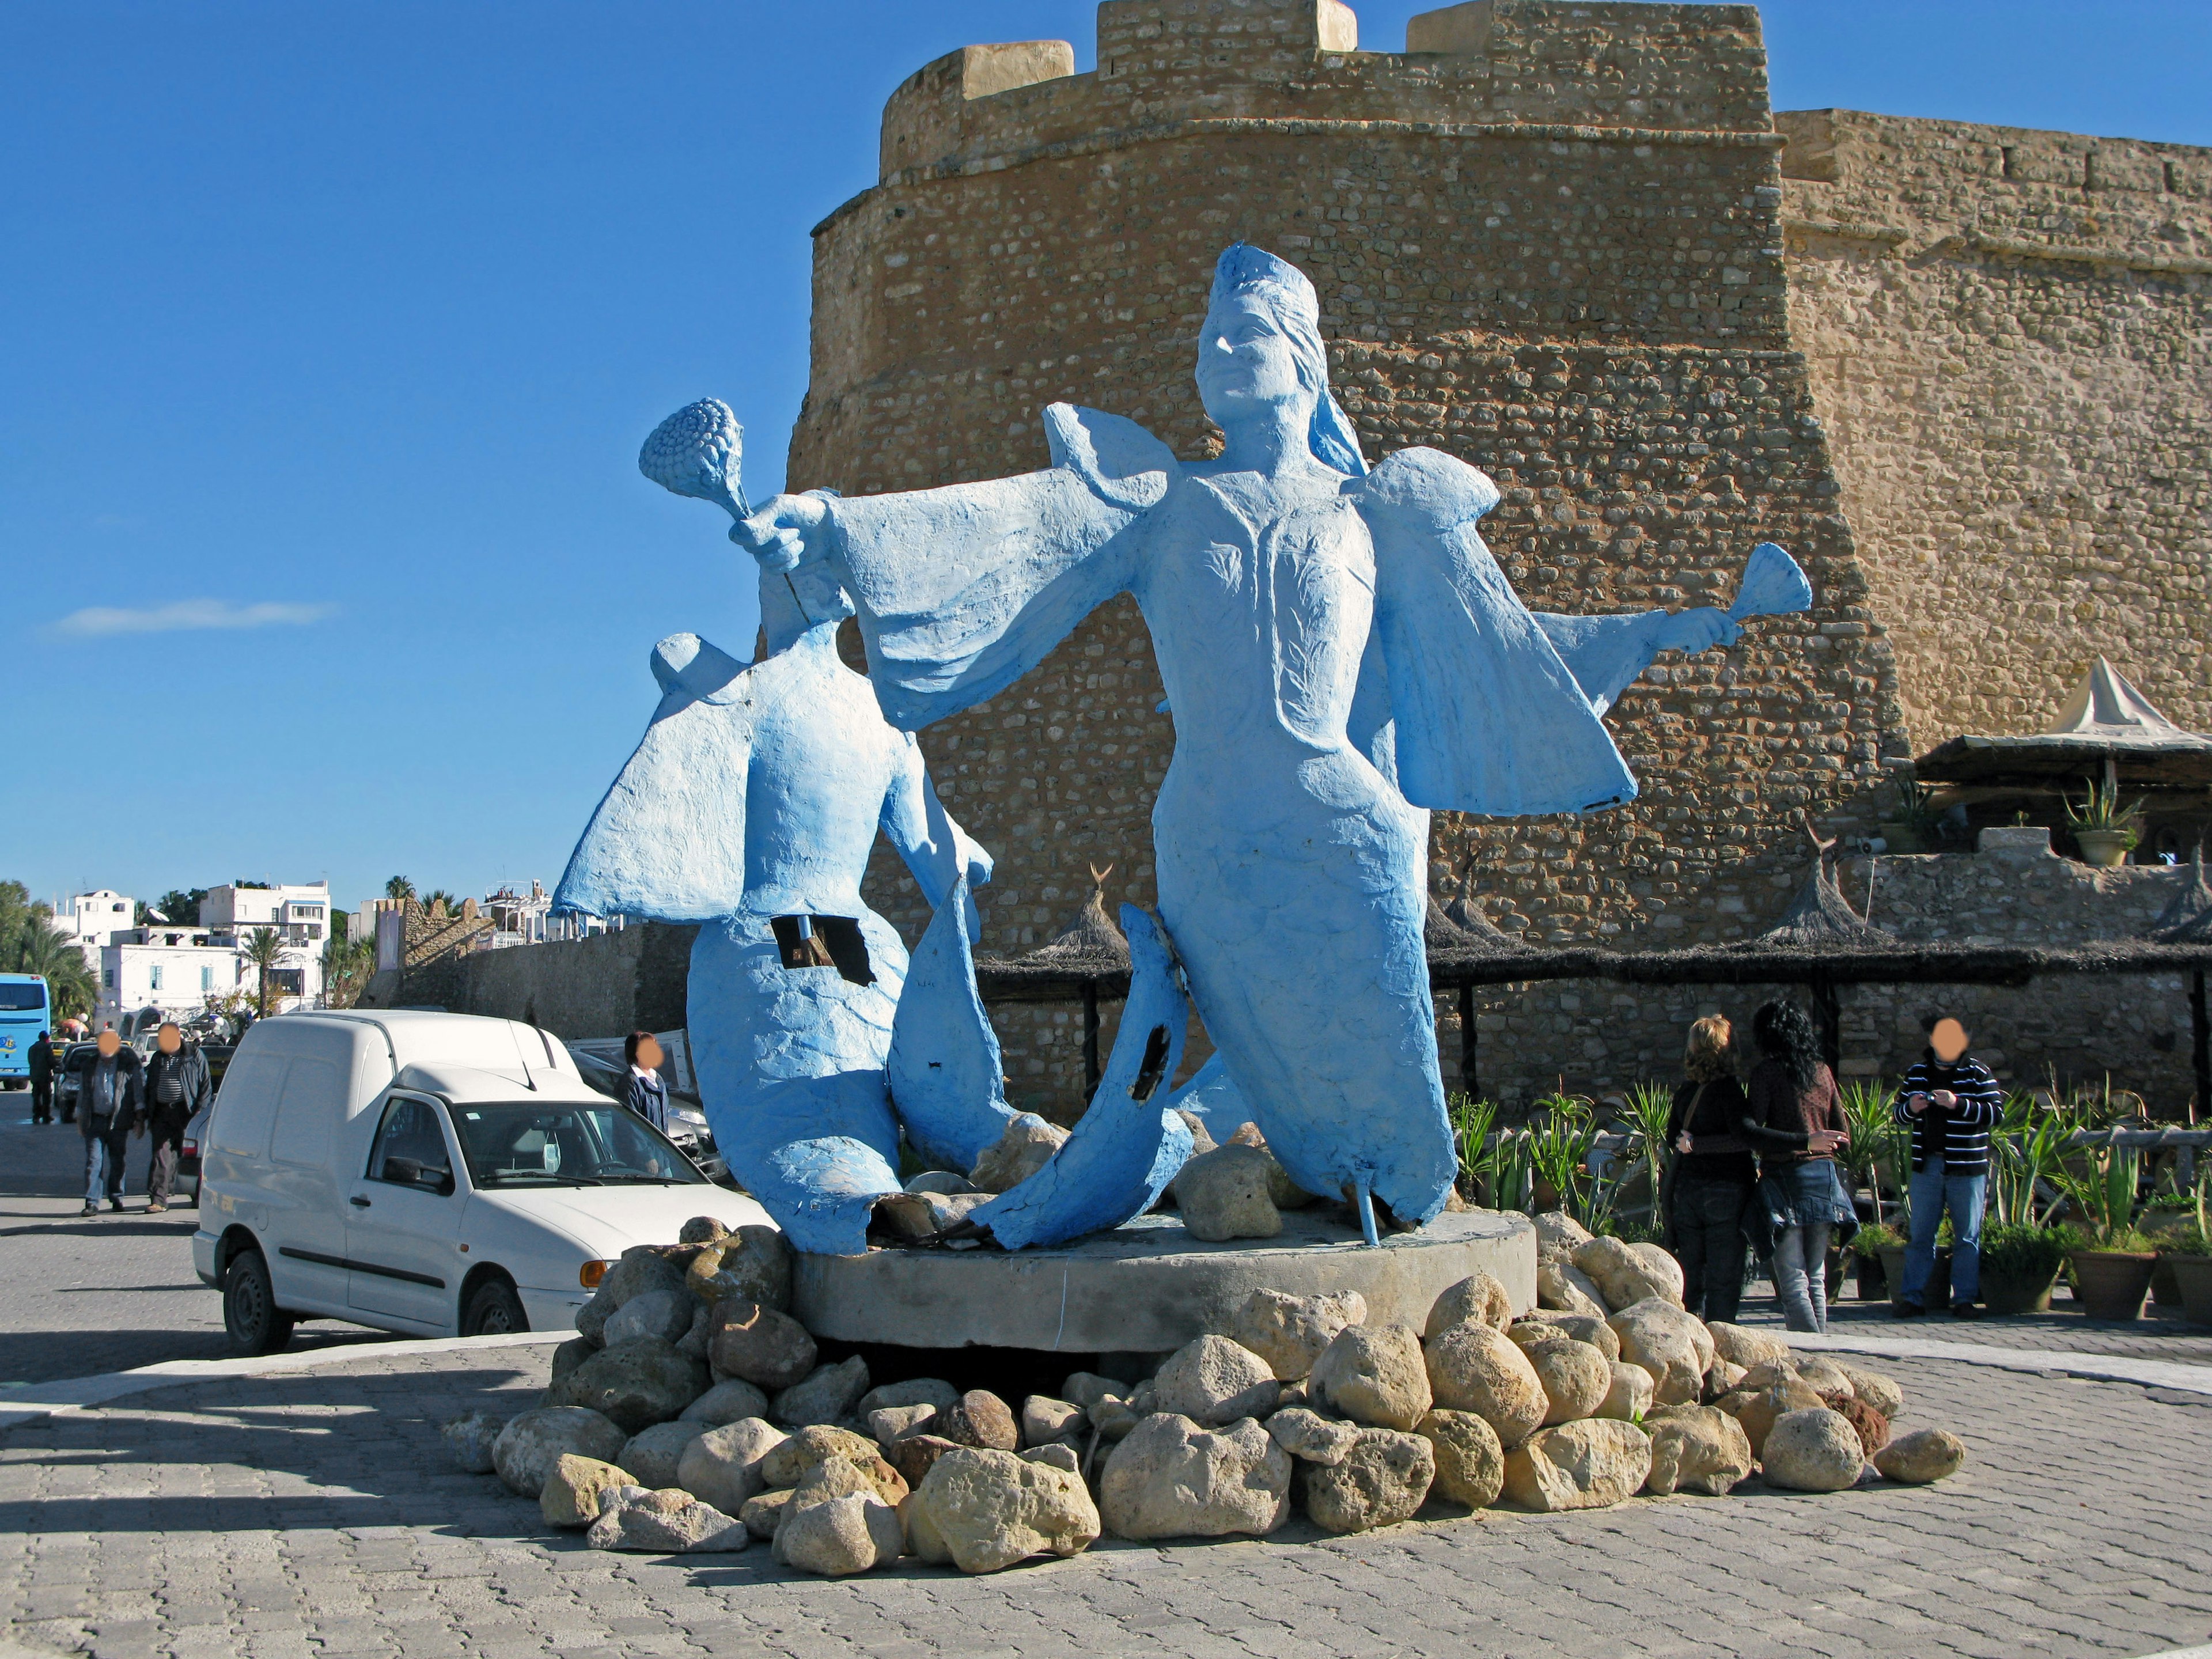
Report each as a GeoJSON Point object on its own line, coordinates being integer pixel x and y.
{"type": "Point", "coordinates": [1796, 1120]}
{"type": "Point", "coordinates": [1713, 1176]}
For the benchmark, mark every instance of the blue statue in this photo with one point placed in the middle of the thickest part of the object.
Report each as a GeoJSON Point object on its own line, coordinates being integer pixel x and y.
{"type": "Point", "coordinates": [1340, 652]}
{"type": "Point", "coordinates": [749, 808]}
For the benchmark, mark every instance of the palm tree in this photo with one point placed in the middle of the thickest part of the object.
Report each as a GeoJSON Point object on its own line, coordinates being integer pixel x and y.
{"type": "Point", "coordinates": [263, 948]}
{"type": "Point", "coordinates": [347, 965]}
{"type": "Point", "coordinates": [399, 888]}
{"type": "Point", "coordinates": [32, 946]}
{"type": "Point", "coordinates": [438, 895]}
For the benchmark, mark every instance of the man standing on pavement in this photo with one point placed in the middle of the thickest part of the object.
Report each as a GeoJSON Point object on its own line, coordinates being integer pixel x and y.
{"type": "Point", "coordinates": [108, 1103]}
{"type": "Point", "coordinates": [42, 1079]}
{"type": "Point", "coordinates": [1952, 1102]}
{"type": "Point", "coordinates": [176, 1088]}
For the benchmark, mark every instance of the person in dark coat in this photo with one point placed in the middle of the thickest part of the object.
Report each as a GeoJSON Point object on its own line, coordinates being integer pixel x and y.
{"type": "Point", "coordinates": [646, 1094]}
{"type": "Point", "coordinates": [1714, 1174]}
{"type": "Point", "coordinates": [42, 1079]}
{"type": "Point", "coordinates": [176, 1087]}
{"type": "Point", "coordinates": [108, 1103]}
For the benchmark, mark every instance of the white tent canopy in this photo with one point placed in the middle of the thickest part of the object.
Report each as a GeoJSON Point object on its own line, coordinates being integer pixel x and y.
{"type": "Point", "coordinates": [2106, 707]}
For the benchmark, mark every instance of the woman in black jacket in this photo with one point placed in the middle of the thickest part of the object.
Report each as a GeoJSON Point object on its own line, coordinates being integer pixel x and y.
{"type": "Point", "coordinates": [644, 1092]}
{"type": "Point", "coordinates": [1713, 1177]}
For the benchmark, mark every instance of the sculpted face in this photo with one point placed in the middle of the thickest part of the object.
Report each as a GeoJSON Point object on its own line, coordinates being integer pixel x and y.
{"type": "Point", "coordinates": [1245, 363]}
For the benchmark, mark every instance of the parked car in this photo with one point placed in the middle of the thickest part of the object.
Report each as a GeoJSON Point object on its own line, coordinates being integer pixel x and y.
{"type": "Point", "coordinates": [686, 1124]}
{"type": "Point", "coordinates": [428, 1174]}
{"type": "Point", "coordinates": [69, 1079]}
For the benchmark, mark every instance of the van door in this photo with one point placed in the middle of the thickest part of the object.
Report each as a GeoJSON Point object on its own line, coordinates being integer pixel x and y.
{"type": "Point", "coordinates": [404, 1218]}
{"type": "Point", "coordinates": [306, 1221]}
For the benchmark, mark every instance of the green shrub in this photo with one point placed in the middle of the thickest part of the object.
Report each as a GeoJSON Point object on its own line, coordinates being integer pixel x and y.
{"type": "Point", "coordinates": [2188, 1241]}
{"type": "Point", "coordinates": [1872, 1240]}
{"type": "Point", "coordinates": [2020, 1251]}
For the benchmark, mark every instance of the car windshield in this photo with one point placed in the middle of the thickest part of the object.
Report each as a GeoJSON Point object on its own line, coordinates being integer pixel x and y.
{"type": "Point", "coordinates": [566, 1144]}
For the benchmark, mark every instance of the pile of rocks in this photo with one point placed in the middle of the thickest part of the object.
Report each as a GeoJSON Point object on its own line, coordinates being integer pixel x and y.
{"type": "Point", "coordinates": [692, 1412]}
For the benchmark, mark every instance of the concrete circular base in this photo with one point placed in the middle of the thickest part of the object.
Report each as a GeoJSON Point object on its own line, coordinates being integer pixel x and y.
{"type": "Point", "coordinates": [1148, 1287]}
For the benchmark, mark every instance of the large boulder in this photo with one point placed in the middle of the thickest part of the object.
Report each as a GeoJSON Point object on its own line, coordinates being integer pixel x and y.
{"type": "Point", "coordinates": [763, 1512]}
{"type": "Point", "coordinates": [785, 1462]}
{"type": "Point", "coordinates": [1290, 1331]}
{"type": "Point", "coordinates": [1872, 1427]}
{"type": "Point", "coordinates": [1670, 1344]}
{"type": "Point", "coordinates": [756, 1344]}
{"type": "Point", "coordinates": [837, 1524]}
{"type": "Point", "coordinates": [978, 1418]}
{"type": "Point", "coordinates": [1826, 1378]}
{"type": "Point", "coordinates": [473, 1436]}
{"type": "Point", "coordinates": [651, 1455]}
{"type": "Point", "coordinates": [1373, 1374]}
{"type": "Point", "coordinates": [1578, 1466]}
{"type": "Point", "coordinates": [1628, 1396]}
{"type": "Point", "coordinates": [1759, 1411]}
{"type": "Point", "coordinates": [1479, 1296]}
{"type": "Point", "coordinates": [1470, 1463]}
{"type": "Point", "coordinates": [892, 1423]}
{"type": "Point", "coordinates": [933, 1391]}
{"type": "Point", "coordinates": [1664, 1270]}
{"type": "Point", "coordinates": [1917, 1458]}
{"type": "Point", "coordinates": [661, 1314]}
{"type": "Point", "coordinates": [1026, 1146]}
{"type": "Point", "coordinates": [1876, 1391]}
{"type": "Point", "coordinates": [1576, 1378]}
{"type": "Point", "coordinates": [750, 1265]}
{"type": "Point", "coordinates": [642, 1267]}
{"type": "Point", "coordinates": [914, 1454]}
{"type": "Point", "coordinates": [634, 1385]}
{"type": "Point", "coordinates": [1307, 1435]}
{"type": "Point", "coordinates": [1171, 1478]}
{"type": "Point", "coordinates": [1472, 1368]}
{"type": "Point", "coordinates": [1049, 1422]}
{"type": "Point", "coordinates": [731, 1401]}
{"type": "Point", "coordinates": [666, 1522]}
{"type": "Point", "coordinates": [1698, 1448]}
{"type": "Point", "coordinates": [1624, 1277]}
{"type": "Point", "coordinates": [1557, 1230]}
{"type": "Point", "coordinates": [1227, 1193]}
{"type": "Point", "coordinates": [1543, 1324]}
{"type": "Point", "coordinates": [986, 1509]}
{"type": "Point", "coordinates": [1813, 1450]}
{"type": "Point", "coordinates": [531, 1444]}
{"type": "Point", "coordinates": [827, 1395]}
{"type": "Point", "coordinates": [1380, 1481]}
{"type": "Point", "coordinates": [1566, 1288]}
{"type": "Point", "coordinates": [722, 1467]}
{"type": "Point", "coordinates": [1214, 1382]}
{"type": "Point", "coordinates": [571, 1353]}
{"type": "Point", "coordinates": [576, 1490]}
{"type": "Point", "coordinates": [1740, 1345]}
{"type": "Point", "coordinates": [1722, 1378]}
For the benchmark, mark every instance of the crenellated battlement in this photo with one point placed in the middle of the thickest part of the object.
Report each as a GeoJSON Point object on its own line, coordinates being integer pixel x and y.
{"type": "Point", "coordinates": [1680, 69]}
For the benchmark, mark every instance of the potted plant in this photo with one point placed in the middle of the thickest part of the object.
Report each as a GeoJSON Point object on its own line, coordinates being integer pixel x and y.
{"type": "Point", "coordinates": [2166, 1214]}
{"type": "Point", "coordinates": [1917, 822]}
{"type": "Point", "coordinates": [1937, 1292]}
{"type": "Point", "coordinates": [2187, 1255]}
{"type": "Point", "coordinates": [2112, 1269]}
{"type": "Point", "coordinates": [2103, 829]}
{"type": "Point", "coordinates": [1869, 1245]}
{"type": "Point", "coordinates": [2021, 1264]}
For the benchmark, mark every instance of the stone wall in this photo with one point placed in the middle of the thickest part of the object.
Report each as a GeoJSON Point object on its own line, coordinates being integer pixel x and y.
{"type": "Point", "coordinates": [1552, 248]}
{"type": "Point", "coordinates": [2010, 340]}
{"type": "Point", "coordinates": [608, 984]}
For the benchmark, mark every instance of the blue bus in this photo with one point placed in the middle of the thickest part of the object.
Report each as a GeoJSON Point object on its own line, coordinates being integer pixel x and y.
{"type": "Point", "coordinates": [25, 1011]}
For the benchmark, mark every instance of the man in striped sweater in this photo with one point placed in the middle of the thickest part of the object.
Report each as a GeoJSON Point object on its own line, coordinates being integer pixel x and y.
{"type": "Point", "coordinates": [1952, 1102]}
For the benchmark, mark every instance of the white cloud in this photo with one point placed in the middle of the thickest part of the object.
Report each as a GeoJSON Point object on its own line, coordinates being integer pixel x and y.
{"type": "Point", "coordinates": [99, 620]}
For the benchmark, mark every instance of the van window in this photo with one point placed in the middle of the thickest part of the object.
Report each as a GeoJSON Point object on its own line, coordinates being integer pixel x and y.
{"type": "Point", "coordinates": [247, 1102]}
{"type": "Point", "coordinates": [410, 1147]}
{"type": "Point", "coordinates": [308, 1113]}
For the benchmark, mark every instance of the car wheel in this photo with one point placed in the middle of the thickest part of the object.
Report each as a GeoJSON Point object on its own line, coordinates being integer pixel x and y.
{"type": "Point", "coordinates": [494, 1309]}
{"type": "Point", "coordinates": [251, 1317]}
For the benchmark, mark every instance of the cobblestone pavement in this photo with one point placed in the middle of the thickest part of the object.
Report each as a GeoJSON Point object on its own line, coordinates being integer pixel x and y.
{"type": "Point", "coordinates": [87, 1294]}
{"type": "Point", "coordinates": [317, 1513]}
{"type": "Point", "coordinates": [2161, 1333]}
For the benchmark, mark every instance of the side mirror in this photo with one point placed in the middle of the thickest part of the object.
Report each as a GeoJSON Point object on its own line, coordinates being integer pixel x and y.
{"type": "Point", "coordinates": [403, 1171]}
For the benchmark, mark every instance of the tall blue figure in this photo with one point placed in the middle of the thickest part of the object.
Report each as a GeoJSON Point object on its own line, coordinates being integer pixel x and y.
{"type": "Point", "coordinates": [1340, 651]}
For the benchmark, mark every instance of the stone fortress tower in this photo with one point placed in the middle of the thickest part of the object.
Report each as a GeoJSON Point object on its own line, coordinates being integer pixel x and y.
{"type": "Point", "coordinates": [1959, 372]}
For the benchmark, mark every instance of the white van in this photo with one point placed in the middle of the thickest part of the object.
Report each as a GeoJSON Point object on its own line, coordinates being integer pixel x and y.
{"type": "Point", "coordinates": [429, 1174]}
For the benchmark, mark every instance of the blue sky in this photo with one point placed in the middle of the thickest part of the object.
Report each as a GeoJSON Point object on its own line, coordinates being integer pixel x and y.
{"type": "Point", "coordinates": [329, 332]}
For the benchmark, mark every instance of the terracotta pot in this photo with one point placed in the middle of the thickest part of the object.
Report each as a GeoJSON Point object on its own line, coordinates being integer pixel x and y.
{"type": "Point", "coordinates": [1937, 1292]}
{"type": "Point", "coordinates": [2009, 1293]}
{"type": "Point", "coordinates": [1901, 836]}
{"type": "Point", "coordinates": [2106, 848]}
{"type": "Point", "coordinates": [2193, 1275]}
{"type": "Point", "coordinates": [2112, 1283]}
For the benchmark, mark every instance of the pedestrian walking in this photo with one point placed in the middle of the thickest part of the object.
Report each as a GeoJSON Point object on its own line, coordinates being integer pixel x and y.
{"type": "Point", "coordinates": [42, 1079]}
{"type": "Point", "coordinates": [647, 1095]}
{"type": "Point", "coordinates": [1796, 1120]}
{"type": "Point", "coordinates": [1713, 1176]}
{"type": "Point", "coordinates": [176, 1087]}
{"type": "Point", "coordinates": [1951, 1102]}
{"type": "Point", "coordinates": [109, 1101]}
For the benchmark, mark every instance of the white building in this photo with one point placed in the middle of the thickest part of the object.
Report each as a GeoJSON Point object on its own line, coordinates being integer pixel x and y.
{"type": "Point", "coordinates": [173, 972]}
{"type": "Point", "coordinates": [302, 914]}
{"type": "Point", "coordinates": [93, 920]}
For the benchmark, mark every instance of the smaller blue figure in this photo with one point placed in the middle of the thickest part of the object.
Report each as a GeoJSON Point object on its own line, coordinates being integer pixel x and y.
{"type": "Point", "coordinates": [750, 808]}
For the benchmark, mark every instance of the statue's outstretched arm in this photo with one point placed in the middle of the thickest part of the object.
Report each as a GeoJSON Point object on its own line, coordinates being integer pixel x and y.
{"type": "Point", "coordinates": [938, 852]}
{"type": "Point", "coordinates": [1606, 653]}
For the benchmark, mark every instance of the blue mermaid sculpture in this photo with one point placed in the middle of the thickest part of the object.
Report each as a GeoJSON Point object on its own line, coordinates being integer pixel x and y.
{"type": "Point", "coordinates": [1341, 654]}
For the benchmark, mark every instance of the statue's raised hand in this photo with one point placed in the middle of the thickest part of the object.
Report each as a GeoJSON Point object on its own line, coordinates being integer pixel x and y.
{"type": "Point", "coordinates": [789, 532]}
{"type": "Point", "coordinates": [1696, 630]}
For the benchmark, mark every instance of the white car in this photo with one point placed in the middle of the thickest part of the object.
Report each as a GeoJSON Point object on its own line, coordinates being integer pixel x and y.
{"type": "Point", "coordinates": [428, 1174]}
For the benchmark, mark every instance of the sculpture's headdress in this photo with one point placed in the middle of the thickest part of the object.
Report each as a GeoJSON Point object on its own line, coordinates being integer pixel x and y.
{"type": "Point", "coordinates": [1288, 295]}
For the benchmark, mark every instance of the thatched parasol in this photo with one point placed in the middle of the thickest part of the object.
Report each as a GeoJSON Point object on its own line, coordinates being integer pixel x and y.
{"type": "Point", "coordinates": [1820, 919]}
